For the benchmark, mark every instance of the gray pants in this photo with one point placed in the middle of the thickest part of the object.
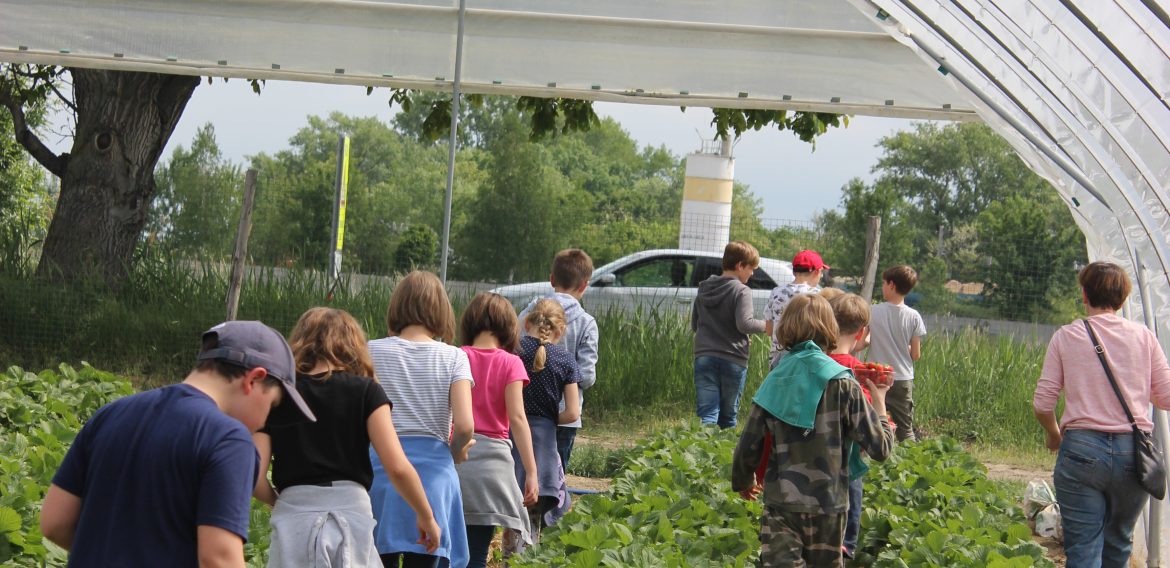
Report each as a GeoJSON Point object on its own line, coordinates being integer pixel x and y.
{"type": "Point", "coordinates": [900, 404]}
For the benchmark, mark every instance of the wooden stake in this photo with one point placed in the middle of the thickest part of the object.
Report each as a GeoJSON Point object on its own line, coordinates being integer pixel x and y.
{"type": "Point", "coordinates": [241, 251]}
{"type": "Point", "coordinates": [873, 237]}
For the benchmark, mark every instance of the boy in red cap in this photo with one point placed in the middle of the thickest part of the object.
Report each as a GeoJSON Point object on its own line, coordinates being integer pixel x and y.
{"type": "Point", "coordinates": [808, 267]}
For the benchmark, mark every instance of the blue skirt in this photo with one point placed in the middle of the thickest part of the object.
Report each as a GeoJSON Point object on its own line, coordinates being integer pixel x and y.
{"type": "Point", "coordinates": [397, 529]}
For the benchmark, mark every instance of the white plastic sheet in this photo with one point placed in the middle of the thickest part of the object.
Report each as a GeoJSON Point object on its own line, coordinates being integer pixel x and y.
{"type": "Point", "coordinates": [797, 54]}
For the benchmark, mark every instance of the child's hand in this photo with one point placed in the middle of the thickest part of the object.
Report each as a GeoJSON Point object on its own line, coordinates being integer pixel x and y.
{"type": "Point", "coordinates": [429, 533]}
{"type": "Point", "coordinates": [752, 492]}
{"type": "Point", "coordinates": [878, 392]}
{"type": "Point", "coordinates": [460, 455]}
{"type": "Point", "coordinates": [531, 489]}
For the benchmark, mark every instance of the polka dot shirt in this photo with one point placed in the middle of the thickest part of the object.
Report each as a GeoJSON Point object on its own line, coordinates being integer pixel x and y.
{"type": "Point", "coordinates": [545, 389]}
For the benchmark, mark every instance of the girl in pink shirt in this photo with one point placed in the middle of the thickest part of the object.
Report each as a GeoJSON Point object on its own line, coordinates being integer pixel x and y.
{"type": "Point", "coordinates": [490, 334]}
{"type": "Point", "coordinates": [1099, 495]}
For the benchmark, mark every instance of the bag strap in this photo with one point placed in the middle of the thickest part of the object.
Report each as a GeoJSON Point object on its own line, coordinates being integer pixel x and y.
{"type": "Point", "coordinates": [1109, 373]}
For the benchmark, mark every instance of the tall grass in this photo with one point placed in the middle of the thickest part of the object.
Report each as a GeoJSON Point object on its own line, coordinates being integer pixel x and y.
{"type": "Point", "coordinates": [969, 386]}
{"type": "Point", "coordinates": [978, 389]}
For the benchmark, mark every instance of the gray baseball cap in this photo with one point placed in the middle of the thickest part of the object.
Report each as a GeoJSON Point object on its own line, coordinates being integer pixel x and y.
{"type": "Point", "coordinates": [252, 344]}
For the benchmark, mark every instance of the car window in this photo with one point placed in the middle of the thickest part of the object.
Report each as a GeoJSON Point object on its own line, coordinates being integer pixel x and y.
{"type": "Point", "coordinates": [656, 273]}
{"type": "Point", "coordinates": [706, 268]}
{"type": "Point", "coordinates": [760, 280]}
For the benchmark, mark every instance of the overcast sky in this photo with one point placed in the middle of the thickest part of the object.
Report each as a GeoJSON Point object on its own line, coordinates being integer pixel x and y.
{"type": "Point", "coordinates": [794, 181]}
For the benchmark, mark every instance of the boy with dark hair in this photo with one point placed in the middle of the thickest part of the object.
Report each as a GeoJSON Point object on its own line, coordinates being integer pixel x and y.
{"type": "Point", "coordinates": [570, 274]}
{"type": "Point", "coordinates": [895, 332]}
{"type": "Point", "coordinates": [166, 476]}
{"type": "Point", "coordinates": [807, 267]}
{"type": "Point", "coordinates": [722, 317]}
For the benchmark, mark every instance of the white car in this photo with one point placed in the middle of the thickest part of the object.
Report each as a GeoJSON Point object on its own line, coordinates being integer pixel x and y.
{"type": "Point", "coordinates": [661, 279]}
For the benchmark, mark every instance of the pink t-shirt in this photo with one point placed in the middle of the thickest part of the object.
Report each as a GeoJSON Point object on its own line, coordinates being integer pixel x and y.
{"type": "Point", "coordinates": [1138, 365]}
{"type": "Point", "coordinates": [492, 370]}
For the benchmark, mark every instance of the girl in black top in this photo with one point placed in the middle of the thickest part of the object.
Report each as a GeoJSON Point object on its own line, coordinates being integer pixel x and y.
{"type": "Point", "coordinates": [321, 470]}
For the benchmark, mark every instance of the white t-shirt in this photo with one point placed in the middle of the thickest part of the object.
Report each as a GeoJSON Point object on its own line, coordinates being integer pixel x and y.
{"type": "Point", "coordinates": [417, 378]}
{"type": "Point", "coordinates": [891, 327]}
{"type": "Point", "coordinates": [777, 301]}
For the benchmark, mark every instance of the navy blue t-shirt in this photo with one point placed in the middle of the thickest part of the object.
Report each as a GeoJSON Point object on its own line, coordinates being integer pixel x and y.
{"type": "Point", "coordinates": [149, 469]}
{"type": "Point", "coordinates": [542, 394]}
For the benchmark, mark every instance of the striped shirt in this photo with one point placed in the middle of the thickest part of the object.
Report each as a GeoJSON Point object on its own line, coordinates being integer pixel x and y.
{"type": "Point", "coordinates": [418, 376]}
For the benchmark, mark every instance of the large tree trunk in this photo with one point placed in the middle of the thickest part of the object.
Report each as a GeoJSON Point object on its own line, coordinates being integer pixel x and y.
{"type": "Point", "coordinates": [124, 120]}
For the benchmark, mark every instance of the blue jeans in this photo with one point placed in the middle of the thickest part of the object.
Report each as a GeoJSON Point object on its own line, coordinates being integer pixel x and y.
{"type": "Point", "coordinates": [479, 542]}
{"type": "Point", "coordinates": [1099, 497]}
{"type": "Point", "coordinates": [718, 386]}
{"type": "Point", "coordinates": [853, 520]}
{"type": "Point", "coordinates": [565, 438]}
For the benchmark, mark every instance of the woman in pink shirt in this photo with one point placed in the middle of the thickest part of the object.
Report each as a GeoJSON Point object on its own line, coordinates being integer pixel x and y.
{"type": "Point", "coordinates": [490, 334]}
{"type": "Point", "coordinates": [1098, 493]}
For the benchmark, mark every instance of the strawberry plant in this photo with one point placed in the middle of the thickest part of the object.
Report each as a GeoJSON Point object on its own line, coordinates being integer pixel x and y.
{"type": "Point", "coordinates": [930, 504]}
{"type": "Point", "coordinates": [40, 413]}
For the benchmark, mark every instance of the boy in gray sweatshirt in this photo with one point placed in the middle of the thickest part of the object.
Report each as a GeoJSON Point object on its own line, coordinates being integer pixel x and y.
{"type": "Point", "coordinates": [722, 319]}
{"type": "Point", "coordinates": [571, 271]}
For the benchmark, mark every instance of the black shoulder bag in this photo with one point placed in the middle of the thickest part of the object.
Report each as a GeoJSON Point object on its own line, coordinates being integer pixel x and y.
{"type": "Point", "coordinates": [1148, 461]}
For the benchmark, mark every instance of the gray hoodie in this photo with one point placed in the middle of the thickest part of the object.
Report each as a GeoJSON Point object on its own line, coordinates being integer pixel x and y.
{"type": "Point", "coordinates": [722, 318]}
{"type": "Point", "coordinates": [580, 339]}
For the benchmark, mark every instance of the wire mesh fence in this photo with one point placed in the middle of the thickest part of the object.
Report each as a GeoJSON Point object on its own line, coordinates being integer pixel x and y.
{"type": "Point", "coordinates": [150, 325]}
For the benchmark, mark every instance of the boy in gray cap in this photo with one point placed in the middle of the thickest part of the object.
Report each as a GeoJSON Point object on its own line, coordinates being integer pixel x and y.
{"type": "Point", "coordinates": [167, 475]}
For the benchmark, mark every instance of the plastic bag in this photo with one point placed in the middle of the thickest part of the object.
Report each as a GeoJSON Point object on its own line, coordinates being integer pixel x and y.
{"type": "Point", "coordinates": [1041, 510]}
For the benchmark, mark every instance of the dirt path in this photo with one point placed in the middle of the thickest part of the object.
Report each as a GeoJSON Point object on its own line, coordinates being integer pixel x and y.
{"type": "Point", "coordinates": [599, 484]}
{"type": "Point", "coordinates": [1005, 472]}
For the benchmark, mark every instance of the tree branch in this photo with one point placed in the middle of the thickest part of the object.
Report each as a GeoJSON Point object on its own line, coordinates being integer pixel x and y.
{"type": "Point", "coordinates": [68, 101]}
{"type": "Point", "coordinates": [27, 138]}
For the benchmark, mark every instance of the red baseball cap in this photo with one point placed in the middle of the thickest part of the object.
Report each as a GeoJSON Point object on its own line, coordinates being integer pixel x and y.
{"type": "Point", "coordinates": [809, 260]}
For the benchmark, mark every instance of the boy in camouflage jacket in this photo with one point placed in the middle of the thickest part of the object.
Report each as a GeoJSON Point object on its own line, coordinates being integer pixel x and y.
{"type": "Point", "coordinates": [819, 423]}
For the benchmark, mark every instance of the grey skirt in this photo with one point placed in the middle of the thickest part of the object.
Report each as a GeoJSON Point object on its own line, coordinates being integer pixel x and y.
{"type": "Point", "coordinates": [491, 495]}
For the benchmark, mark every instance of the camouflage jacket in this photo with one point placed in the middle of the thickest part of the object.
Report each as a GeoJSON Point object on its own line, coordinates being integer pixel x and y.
{"type": "Point", "coordinates": [808, 471]}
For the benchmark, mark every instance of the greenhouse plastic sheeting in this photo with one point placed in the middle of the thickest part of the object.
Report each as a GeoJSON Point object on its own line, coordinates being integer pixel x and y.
{"type": "Point", "coordinates": [1079, 88]}
{"type": "Point", "coordinates": [1087, 112]}
{"type": "Point", "coordinates": [801, 55]}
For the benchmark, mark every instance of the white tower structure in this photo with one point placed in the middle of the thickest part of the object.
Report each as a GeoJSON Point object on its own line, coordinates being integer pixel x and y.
{"type": "Point", "coordinates": [706, 206]}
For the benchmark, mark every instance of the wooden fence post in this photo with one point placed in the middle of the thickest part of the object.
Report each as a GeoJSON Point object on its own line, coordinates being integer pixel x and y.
{"type": "Point", "coordinates": [873, 237]}
{"type": "Point", "coordinates": [241, 250]}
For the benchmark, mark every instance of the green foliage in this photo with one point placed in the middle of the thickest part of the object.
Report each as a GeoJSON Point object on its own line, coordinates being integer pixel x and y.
{"type": "Point", "coordinates": [419, 248]}
{"type": "Point", "coordinates": [1032, 256]}
{"type": "Point", "coordinates": [394, 183]}
{"type": "Point", "coordinates": [846, 230]}
{"type": "Point", "coordinates": [805, 125]}
{"type": "Point", "coordinates": [522, 217]}
{"type": "Point", "coordinates": [197, 205]}
{"type": "Point", "coordinates": [960, 194]}
{"type": "Point", "coordinates": [671, 504]}
{"type": "Point", "coordinates": [40, 414]}
{"type": "Point", "coordinates": [931, 504]}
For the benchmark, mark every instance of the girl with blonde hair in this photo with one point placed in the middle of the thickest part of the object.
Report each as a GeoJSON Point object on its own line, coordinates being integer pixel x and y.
{"type": "Point", "coordinates": [553, 374]}
{"type": "Point", "coordinates": [322, 469]}
{"type": "Point", "coordinates": [430, 382]}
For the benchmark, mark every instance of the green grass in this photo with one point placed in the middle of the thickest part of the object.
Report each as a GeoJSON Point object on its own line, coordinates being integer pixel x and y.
{"type": "Point", "coordinates": [972, 387]}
